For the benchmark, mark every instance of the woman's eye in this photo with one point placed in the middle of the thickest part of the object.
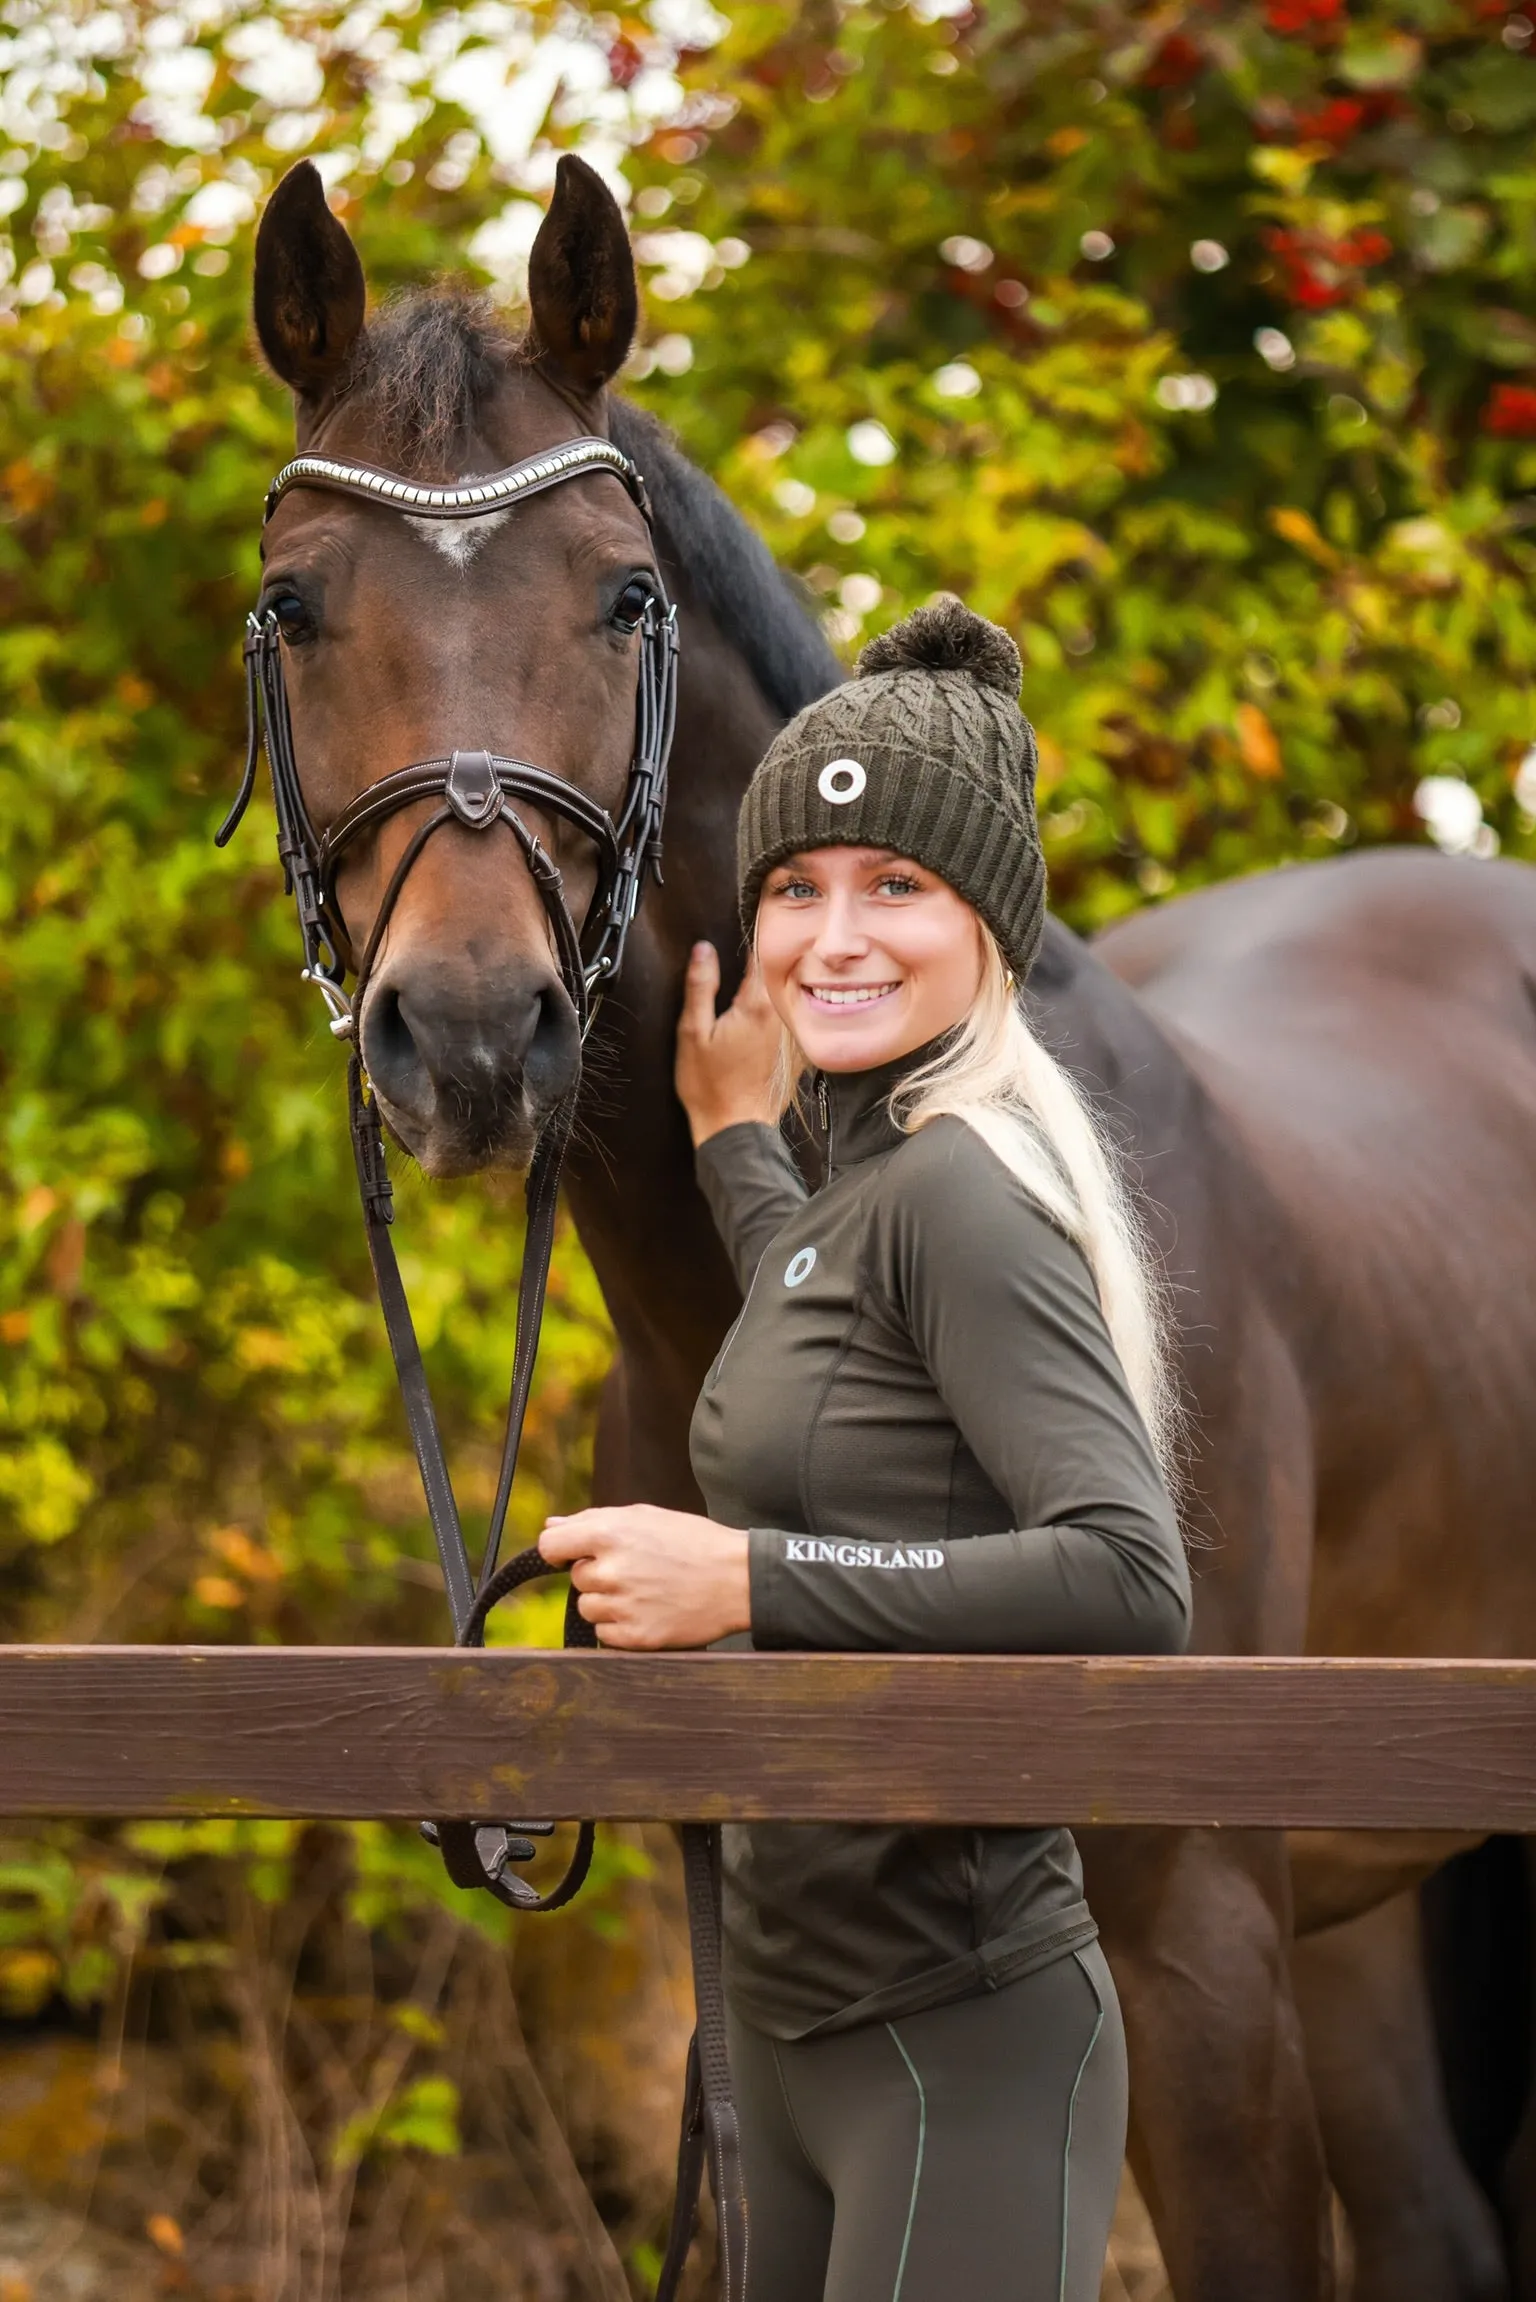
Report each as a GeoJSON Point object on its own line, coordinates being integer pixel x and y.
{"type": "Point", "coordinates": [628, 610]}
{"type": "Point", "coordinates": [896, 883]}
{"type": "Point", "coordinates": [794, 887]}
{"type": "Point", "coordinates": [294, 620]}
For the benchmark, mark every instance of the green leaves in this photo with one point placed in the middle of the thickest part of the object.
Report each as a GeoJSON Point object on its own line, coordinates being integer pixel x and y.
{"type": "Point", "coordinates": [423, 2115]}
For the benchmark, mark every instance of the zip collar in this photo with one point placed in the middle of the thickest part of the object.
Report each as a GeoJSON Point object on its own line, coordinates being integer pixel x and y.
{"type": "Point", "coordinates": [854, 1107]}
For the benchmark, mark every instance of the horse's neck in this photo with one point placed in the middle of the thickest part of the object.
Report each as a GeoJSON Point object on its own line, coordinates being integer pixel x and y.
{"type": "Point", "coordinates": [632, 1163]}
{"type": "Point", "coordinates": [1092, 1020]}
{"type": "Point", "coordinates": [1138, 1080]}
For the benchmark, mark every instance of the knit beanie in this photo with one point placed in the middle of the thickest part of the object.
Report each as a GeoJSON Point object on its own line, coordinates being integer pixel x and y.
{"type": "Point", "coordinates": [924, 751]}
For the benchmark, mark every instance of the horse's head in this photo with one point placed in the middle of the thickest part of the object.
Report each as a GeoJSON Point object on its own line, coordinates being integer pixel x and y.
{"type": "Point", "coordinates": [406, 639]}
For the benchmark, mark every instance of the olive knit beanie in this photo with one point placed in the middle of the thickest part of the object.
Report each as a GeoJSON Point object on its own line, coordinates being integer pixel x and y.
{"type": "Point", "coordinates": [925, 752]}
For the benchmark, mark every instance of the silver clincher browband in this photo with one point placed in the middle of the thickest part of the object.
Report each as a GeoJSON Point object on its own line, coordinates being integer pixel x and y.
{"type": "Point", "coordinates": [492, 494]}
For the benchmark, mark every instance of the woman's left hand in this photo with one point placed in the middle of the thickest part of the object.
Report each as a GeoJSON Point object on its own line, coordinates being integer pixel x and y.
{"type": "Point", "coordinates": [653, 1578]}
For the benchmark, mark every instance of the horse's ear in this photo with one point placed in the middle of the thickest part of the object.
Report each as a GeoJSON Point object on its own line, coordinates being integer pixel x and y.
{"type": "Point", "coordinates": [309, 295]}
{"type": "Point", "coordinates": [581, 281]}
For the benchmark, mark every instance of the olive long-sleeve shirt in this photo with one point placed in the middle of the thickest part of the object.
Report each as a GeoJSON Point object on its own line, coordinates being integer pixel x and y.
{"type": "Point", "coordinates": [920, 1419]}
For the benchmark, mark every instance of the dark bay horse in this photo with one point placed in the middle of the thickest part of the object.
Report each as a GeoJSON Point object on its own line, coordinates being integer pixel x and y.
{"type": "Point", "coordinates": [1326, 1077]}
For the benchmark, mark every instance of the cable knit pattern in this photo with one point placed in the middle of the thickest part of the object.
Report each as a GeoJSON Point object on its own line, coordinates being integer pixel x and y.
{"type": "Point", "coordinates": [949, 766]}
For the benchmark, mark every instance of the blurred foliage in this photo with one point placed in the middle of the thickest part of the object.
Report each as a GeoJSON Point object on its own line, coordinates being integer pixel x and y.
{"type": "Point", "coordinates": [1195, 343]}
{"type": "Point", "coordinates": [1195, 339]}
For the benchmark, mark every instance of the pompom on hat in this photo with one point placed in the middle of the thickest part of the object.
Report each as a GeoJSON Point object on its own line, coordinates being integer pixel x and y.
{"type": "Point", "coordinates": [925, 752]}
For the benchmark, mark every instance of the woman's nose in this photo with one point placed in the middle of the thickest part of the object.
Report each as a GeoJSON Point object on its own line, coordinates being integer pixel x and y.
{"type": "Point", "coordinates": [843, 934]}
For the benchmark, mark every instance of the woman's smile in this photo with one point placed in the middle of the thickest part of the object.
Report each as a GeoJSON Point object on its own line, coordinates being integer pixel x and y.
{"type": "Point", "coordinates": [848, 994]}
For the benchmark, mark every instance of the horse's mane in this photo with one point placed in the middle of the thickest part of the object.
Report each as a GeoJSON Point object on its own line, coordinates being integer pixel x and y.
{"type": "Point", "coordinates": [729, 565]}
{"type": "Point", "coordinates": [429, 361]}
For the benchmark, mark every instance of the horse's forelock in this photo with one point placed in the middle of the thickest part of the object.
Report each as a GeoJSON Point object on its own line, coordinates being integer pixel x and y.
{"type": "Point", "coordinates": [427, 364]}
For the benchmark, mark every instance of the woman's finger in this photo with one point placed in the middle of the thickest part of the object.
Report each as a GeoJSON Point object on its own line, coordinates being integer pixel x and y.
{"type": "Point", "coordinates": [751, 998]}
{"type": "Point", "coordinates": [618, 1633]}
{"type": "Point", "coordinates": [701, 988]}
{"type": "Point", "coordinates": [577, 1537]}
{"type": "Point", "coordinates": [599, 1608]}
{"type": "Point", "coordinates": [591, 1574]}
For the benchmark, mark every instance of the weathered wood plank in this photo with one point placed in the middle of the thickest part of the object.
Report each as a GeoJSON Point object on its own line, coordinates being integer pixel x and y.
{"type": "Point", "coordinates": [990, 1739]}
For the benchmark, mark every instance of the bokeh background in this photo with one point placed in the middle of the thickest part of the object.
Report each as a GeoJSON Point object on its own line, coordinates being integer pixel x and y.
{"type": "Point", "coordinates": [1196, 344]}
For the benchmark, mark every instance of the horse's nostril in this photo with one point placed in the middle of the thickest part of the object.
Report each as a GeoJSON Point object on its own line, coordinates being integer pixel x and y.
{"type": "Point", "coordinates": [553, 1049]}
{"type": "Point", "coordinates": [394, 1060]}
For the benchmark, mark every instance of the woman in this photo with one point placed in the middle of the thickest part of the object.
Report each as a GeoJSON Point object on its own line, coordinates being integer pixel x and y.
{"type": "Point", "coordinates": [939, 1424]}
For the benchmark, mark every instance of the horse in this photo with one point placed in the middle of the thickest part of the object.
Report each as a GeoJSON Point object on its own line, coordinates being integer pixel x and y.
{"type": "Point", "coordinates": [1345, 1250]}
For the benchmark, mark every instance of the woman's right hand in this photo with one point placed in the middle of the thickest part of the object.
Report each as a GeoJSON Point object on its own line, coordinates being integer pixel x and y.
{"type": "Point", "coordinates": [725, 1063]}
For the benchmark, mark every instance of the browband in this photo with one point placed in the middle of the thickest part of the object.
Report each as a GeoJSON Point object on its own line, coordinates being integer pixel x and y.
{"type": "Point", "coordinates": [469, 497]}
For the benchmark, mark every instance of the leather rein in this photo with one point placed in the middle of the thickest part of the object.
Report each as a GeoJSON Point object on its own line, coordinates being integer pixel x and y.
{"type": "Point", "coordinates": [479, 790]}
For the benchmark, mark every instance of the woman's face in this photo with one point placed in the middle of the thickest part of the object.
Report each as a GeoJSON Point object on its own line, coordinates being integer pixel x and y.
{"type": "Point", "coordinates": [865, 955]}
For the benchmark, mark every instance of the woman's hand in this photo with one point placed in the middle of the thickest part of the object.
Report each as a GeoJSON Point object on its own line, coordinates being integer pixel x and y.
{"type": "Point", "coordinates": [653, 1578]}
{"type": "Point", "coordinates": [725, 1063]}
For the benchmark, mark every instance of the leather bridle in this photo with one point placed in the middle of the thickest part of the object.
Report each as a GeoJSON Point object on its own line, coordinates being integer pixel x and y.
{"type": "Point", "coordinates": [477, 788]}
{"type": "Point", "coordinates": [480, 790]}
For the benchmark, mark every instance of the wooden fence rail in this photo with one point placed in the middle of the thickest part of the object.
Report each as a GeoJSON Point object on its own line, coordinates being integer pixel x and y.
{"type": "Point", "coordinates": [406, 1732]}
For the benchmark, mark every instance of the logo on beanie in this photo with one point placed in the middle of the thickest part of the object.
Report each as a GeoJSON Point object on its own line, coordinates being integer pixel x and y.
{"type": "Point", "coordinates": [840, 781]}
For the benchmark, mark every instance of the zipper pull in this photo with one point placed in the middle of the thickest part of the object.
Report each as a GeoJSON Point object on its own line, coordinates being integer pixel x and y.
{"type": "Point", "coordinates": [823, 1107]}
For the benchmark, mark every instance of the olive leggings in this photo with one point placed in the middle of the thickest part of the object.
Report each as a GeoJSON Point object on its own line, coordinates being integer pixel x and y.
{"type": "Point", "coordinates": [967, 2154]}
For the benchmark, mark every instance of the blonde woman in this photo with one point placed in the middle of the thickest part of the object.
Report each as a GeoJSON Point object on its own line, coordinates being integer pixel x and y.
{"type": "Point", "coordinates": [941, 1423]}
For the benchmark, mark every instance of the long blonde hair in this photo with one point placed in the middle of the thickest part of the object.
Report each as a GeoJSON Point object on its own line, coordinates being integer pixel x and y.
{"type": "Point", "coordinates": [996, 1076]}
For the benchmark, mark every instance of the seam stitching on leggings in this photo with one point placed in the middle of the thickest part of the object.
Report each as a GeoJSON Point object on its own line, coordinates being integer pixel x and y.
{"type": "Point", "coordinates": [1066, 2148]}
{"type": "Point", "coordinates": [806, 2152]}
{"type": "Point", "coordinates": [917, 2170]}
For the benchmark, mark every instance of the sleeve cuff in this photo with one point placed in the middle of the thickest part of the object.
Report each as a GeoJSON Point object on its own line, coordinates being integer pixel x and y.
{"type": "Point", "coordinates": [765, 1579]}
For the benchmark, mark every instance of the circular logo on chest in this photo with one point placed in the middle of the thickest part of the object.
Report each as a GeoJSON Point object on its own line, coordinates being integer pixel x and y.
{"type": "Point", "coordinates": [840, 781]}
{"type": "Point", "coordinates": [800, 1267]}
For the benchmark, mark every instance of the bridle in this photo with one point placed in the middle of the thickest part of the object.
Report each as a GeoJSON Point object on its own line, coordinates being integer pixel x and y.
{"type": "Point", "coordinates": [478, 790]}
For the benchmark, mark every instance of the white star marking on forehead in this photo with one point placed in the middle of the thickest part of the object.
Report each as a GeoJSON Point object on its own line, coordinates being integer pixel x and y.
{"type": "Point", "coordinates": [459, 540]}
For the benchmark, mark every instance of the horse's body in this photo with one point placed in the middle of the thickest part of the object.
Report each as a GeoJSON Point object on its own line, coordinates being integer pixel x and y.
{"type": "Point", "coordinates": [1364, 1037]}
{"type": "Point", "coordinates": [1326, 1076]}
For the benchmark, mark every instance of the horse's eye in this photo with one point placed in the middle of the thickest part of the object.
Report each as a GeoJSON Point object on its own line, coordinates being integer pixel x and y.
{"type": "Point", "coordinates": [628, 610]}
{"type": "Point", "coordinates": [294, 620]}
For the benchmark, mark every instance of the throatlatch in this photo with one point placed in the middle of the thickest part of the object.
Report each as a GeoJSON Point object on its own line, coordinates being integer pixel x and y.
{"type": "Point", "coordinates": [478, 790]}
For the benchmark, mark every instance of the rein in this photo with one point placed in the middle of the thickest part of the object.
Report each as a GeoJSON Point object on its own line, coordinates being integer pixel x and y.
{"type": "Point", "coordinates": [479, 791]}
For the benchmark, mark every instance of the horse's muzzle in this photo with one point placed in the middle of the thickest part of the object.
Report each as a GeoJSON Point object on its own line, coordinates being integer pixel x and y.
{"type": "Point", "coordinates": [466, 1069]}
